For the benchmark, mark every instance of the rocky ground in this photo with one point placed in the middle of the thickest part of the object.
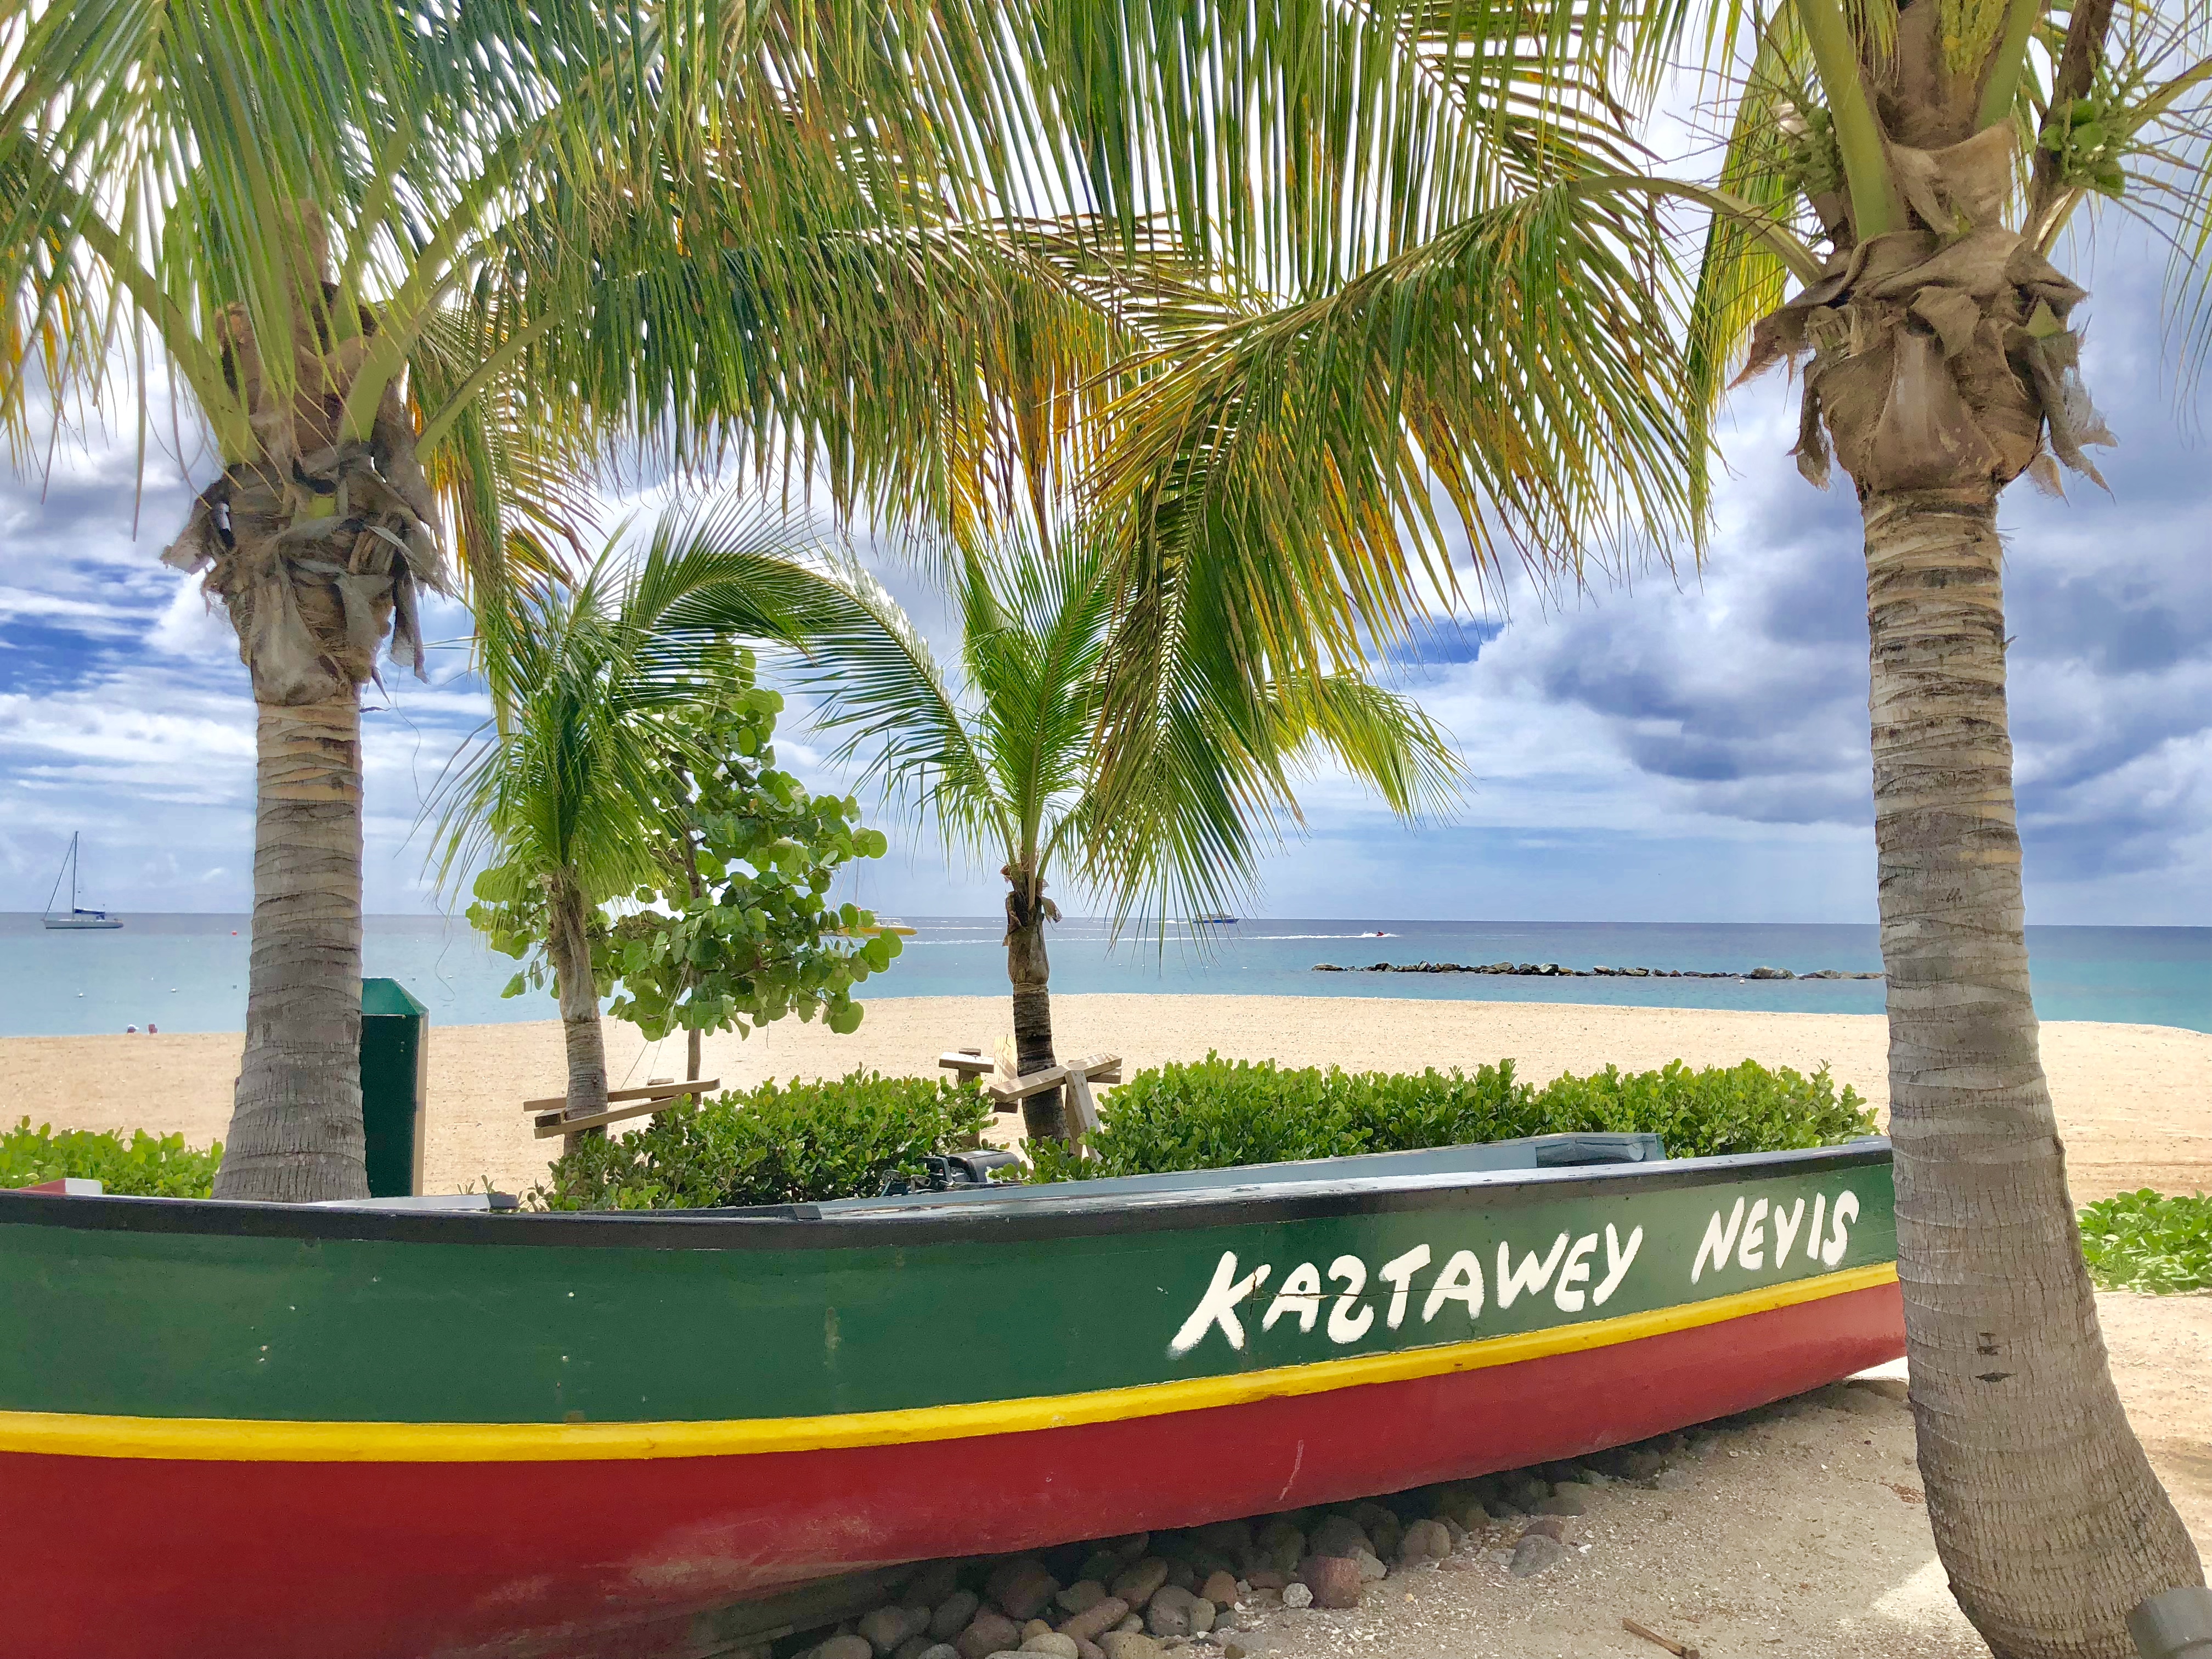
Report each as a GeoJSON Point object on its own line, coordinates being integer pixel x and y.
{"type": "Point", "coordinates": [1796, 1528]}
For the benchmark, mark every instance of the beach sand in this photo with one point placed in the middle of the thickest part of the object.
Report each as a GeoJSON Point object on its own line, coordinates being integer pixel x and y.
{"type": "Point", "coordinates": [2131, 1099]}
{"type": "Point", "coordinates": [1803, 1531]}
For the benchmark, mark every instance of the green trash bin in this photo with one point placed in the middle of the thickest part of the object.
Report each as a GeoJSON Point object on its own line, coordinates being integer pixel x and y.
{"type": "Point", "coordinates": [395, 1085]}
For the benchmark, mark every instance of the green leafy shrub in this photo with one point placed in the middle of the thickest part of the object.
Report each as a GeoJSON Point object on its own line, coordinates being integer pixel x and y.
{"type": "Point", "coordinates": [1218, 1114]}
{"type": "Point", "coordinates": [793, 1142]}
{"type": "Point", "coordinates": [144, 1166]}
{"type": "Point", "coordinates": [2142, 1241]}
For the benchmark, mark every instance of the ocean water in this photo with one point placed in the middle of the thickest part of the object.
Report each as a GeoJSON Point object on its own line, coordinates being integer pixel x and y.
{"type": "Point", "coordinates": [187, 973]}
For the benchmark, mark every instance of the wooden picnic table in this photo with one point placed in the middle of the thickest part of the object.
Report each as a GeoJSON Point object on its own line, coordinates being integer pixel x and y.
{"type": "Point", "coordinates": [641, 1103]}
{"type": "Point", "coordinates": [1076, 1076]}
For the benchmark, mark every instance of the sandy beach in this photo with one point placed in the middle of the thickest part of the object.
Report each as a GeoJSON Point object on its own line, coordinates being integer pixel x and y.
{"type": "Point", "coordinates": [2131, 1099]}
{"type": "Point", "coordinates": [1804, 1528]}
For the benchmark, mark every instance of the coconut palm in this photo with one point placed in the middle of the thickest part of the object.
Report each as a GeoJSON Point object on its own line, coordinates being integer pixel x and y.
{"type": "Point", "coordinates": [1004, 758]}
{"type": "Point", "coordinates": [606, 683]}
{"type": "Point", "coordinates": [399, 263]}
{"type": "Point", "coordinates": [1911, 168]}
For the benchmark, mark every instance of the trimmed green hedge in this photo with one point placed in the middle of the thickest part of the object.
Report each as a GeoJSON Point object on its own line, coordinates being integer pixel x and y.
{"type": "Point", "coordinates": [1218, 1114]}
{"type": "Point", "coordinates": [144, 1166]}
{"type": "Point", "coordinates": [793, 1142]}
{"type": "Point", "coordinates": [2142, 1241]}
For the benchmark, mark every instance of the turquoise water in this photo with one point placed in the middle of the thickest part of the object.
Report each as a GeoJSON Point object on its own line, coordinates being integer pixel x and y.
{"type": "Point", "coordinates": [187, 973]}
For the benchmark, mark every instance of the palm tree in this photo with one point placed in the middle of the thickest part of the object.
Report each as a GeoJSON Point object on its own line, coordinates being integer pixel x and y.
{"type": "Point", "coordinates": [598, 680]}
{"type": "Point", "coordinates": [399, 263]}
{"type": "Point", "coordinates": [1007, 760]}
{"type": "Point", "coordinates": [1500, 338]}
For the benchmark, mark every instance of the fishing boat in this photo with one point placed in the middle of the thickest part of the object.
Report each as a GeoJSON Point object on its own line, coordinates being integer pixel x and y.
{"type": "Point", "coordinates": [77, 918]}
{"type": "Point", "coordinates": [378, 1431]}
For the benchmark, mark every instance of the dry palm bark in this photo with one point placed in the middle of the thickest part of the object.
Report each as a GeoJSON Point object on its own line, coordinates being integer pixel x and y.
{"type": "Point", "coordinates": [317, 545]}
{"type": "Point", "coordinates": [1941, 363]}
{"type": "Point", "coordinates": [1044, 1113]}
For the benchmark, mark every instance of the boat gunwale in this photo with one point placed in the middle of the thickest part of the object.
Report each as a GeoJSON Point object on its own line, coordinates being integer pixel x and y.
{"type": "Point", "coordinates": [804, 1226]}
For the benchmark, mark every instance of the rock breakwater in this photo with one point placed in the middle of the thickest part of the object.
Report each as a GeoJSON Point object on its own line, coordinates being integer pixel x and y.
{"type": "Point", "coordinates": [1553, 970]}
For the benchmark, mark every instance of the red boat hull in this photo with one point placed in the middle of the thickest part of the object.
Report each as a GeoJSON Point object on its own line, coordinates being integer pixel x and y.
{"type": "Point", "coordinates": [206, 1559]}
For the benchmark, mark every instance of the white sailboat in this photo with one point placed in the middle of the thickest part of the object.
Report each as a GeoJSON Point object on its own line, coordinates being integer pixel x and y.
{"type": "Point", "coordinates": [76, 917]}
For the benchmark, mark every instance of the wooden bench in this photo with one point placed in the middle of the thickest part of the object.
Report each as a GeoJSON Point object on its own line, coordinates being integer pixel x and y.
{"type": "Point", "coordinates": [1076, 1076]}
{"type": "Point", "coordinates": [642, 1103]}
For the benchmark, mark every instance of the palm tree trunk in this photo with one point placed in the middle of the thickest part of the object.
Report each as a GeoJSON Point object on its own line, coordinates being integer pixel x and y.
{"type": "Point", "coordinates": [2046, 1512]}
{"type": "Point", "coordinates": [571, 942]}
{"type": "Point", "coordinates": [1044, 1114]}
{"type": "Point", "coordinates": [295, 1129]}
{"type": "Point", "coordinates": [692, 1039]}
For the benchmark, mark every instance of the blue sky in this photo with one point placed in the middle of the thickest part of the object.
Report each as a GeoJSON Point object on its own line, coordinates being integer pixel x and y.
{"type": "Point", "coordinates": [1691, 746]}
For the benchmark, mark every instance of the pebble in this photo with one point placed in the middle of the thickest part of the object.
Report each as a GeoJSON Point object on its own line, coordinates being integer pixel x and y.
{"type": "Point", "coordinates": [931, 1584]}
{"type": "Point", "coordinates": [1535, 1553]}
{"type": "Point", "coordinates": [1525, 1489]}
{"type": "Point", "coordinates": [1022, 1587]}
{"type": "Point", "coordinates": [1295, 1597]}
{"type": "Point", "coordinates": [1382, 1527]}
{"type": "Point", "coordinates": [1673, 1480]}
{"type": "Point", "coordinates": [1036, 1627]}
{"type": "Point", "coordinates": [938, 1650]}
{"type": "Point", "coordinates": [886, 1628]}
{"type": "Point", "coordinates": [1096, 1620]}
{"type": "Point", "coordinates": [1102, 1564]}
{"type": "Point", "coordinates": [991, 1632]}
{"type": "Point", "coordinates": [1549, 1526]}
{"type": "Point", "coordinates": [1054, 1642]}
{"type": "Point", "coordinates": [1372, 1567]}
{"type": "Point", "coordinates": [1231, 1538]}
{"type": "Point", "coordinates": [1082, 1594]}
{"type": "Point", "coordinates": [1282, 1544]}
{"type": "Point", "coordinates": [1267, 1578]}
{"type": "Point", "coordinates": [1168, 1612]}
{"type": "Point", "coordinates": [914, 1646]}
{"type": "Point", "coordinates": [1567, 1500]}
{"type": "Point", "coordinates": [1339, 1534]}
{"type": "Point", "coordinates": [1221, 1590]}
{"type": "Point", "coordinates": [953, 1613]}
{"type": "Point", "coordinates": [1335, 1580]}
{"type": "Point", "coordinates": [1424, 1541]}
{"type": "Point", "coordinates": [845, 1647]}
{"type": "Point", "coordinates": [1136, 1585]}
{"type": "Point", "coordinates": [1128, 1644]}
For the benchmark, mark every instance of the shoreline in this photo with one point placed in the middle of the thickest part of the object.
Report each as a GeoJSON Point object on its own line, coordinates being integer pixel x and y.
{"type": "Point", "coordinates": [2130, 1097]}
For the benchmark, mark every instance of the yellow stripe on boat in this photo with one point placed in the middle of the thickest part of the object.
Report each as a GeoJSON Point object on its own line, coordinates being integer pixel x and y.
{"type": "Point", "coordinates": [248, 1440]}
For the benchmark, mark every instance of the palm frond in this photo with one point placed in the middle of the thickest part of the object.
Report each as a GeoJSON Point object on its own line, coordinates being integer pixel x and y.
{"type": "Point", "coordinates": [565, 779]}
{"type": "Point", "coordinates": [1774, 136]}
{"type": "Point", "coordinates": [1384, 739]}
{"type": "Point", "coordinates": [1519, 370]}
